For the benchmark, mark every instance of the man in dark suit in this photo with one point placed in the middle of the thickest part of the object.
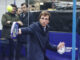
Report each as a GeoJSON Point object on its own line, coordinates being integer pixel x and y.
{"type": "Point", "coordinates": [24, 14]}
{"type": "Point", "coordinates": [22, 38]}
{"type": "Point", "coordinates": [39, 39]}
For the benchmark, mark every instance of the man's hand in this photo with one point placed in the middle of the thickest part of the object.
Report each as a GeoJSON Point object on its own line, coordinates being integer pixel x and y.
{"type": "Point", "coordinates": [20, 23]}
{"type": "Point", "coordinates": [60, 45]}
{"type": "Point", "coordinates": [8, 22]}
{"type": "Point", "coordinates": [19, 32]}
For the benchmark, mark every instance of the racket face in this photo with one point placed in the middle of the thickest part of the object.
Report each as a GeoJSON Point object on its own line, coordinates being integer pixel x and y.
{"type": "Point", "coordinates": [14, 30]}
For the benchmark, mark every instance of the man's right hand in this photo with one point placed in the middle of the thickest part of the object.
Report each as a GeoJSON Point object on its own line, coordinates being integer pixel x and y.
{"type": "Point", "coordinates": [20, 23]}
{"type": "Point", "coordinates": [19, 32]}
{"type": "Point", "coordinates": [8, 22]}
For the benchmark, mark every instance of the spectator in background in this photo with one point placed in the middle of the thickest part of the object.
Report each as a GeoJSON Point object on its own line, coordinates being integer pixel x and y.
{"type": "Point", "coordinates": [24, 14]}
{"type": "Point", "coordinates": [31, 7]}
{"type": "Point", "coordinates": [53, 4]}
{"type": "Point", "coordinates": [18, 12]}
{"type": "Point", "coordinates": [22, 41]}
{"type": "Point", "coordinates": [7, 20]}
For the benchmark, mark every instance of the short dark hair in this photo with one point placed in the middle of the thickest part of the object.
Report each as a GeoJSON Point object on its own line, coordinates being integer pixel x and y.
{"type": "Point", "coordinates": [44, 13]}
{"type": "Point", "coordinates": [13, 5]}
{"type": "Point", "coordinates": [17, 8]}
{"type": "Point", "coordinates": [24, 4]}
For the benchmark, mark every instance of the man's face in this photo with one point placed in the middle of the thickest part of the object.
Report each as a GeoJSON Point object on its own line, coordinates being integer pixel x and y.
{"type": "Point", "coordinates": [24, 8]}
{"type": "Point", "coordinates": [44, 20]}
{"type": "Point", "coordinates": [14, 10]}
{"type": "Point", "coordinates": [19, 11]}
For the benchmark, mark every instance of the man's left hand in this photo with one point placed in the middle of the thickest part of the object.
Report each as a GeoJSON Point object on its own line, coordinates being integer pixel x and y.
{"type": "Point", "coordinates": [60, 45]}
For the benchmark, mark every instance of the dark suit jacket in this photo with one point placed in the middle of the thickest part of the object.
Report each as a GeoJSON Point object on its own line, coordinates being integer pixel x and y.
{"type": "Point", "coordinates": [24, 18]}
{"type": "Point", "coordinates": [39, 41]}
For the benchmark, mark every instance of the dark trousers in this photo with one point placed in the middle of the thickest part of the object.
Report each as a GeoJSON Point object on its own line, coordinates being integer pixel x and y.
{"type": "Point", "coordinates": [4, 50]}
{"type": "Point", "coordinates": [45, 57]}
{"type": "Point", "coordinates": [12, 49]}
{"type": "Point", "coordinates": [7, 49]}
{"type": "Point", "coordinates": [20, 44]}
{"type": "Point", "coordinates": [19, 55]}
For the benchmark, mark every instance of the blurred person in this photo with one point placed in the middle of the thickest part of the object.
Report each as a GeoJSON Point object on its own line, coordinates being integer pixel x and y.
{"type": "Point", "coordinates": [53, 4]}
{"type": "Point", "coordinates": [24, 14]}
{"type": "Point", "coordinates": [7, 19]}
{"type": "Point", "coordinates": [18, 12]}
{"type": "Point", "coordinates": [31, 7]}
{"type": "Point", "coordinates": [22, 42]}
{"type": "Point", "coordinates": [39, 38]}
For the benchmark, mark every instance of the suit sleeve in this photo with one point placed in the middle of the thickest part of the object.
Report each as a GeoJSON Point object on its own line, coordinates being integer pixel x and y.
{"type": "Point", "coordinates": [51, 47]}
{"type": "Point", "coordinates": [28, 30]}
